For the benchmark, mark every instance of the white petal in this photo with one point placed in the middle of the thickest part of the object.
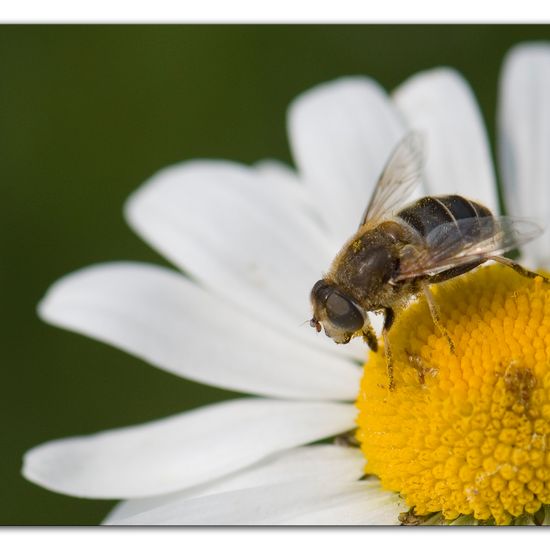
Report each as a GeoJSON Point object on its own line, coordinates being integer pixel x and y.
{"type": "Point", "coordinates": [161, 317]}
{"type": "Point", "coordinates": [244, 233]}
{"type": "Point", "coordinates": [307, 502]}
{"type": "Point", "coordinates": [441, 105]}
{"type": "Point", "coordinates": [315, 462]}
{"type": "Point", "coordinates": [274, 172]}
{"type": "Point", "coordinates": [367, 505]}
{"type": "Point", "coordinates": [342, 134]}
{"type": "Point", "coordinates": [524, 139]}
{"type": "Point", "coordinates": [183, 450]}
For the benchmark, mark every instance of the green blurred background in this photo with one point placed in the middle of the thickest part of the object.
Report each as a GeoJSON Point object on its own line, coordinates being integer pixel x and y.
{"type": "Point", "coordinates": [87, 114]}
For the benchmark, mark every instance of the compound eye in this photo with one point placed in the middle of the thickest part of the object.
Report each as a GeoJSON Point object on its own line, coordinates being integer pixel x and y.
{"type": "Point", "coordinates": [321, 291]}
{"type": "Point", "coordinates": [343, 314]}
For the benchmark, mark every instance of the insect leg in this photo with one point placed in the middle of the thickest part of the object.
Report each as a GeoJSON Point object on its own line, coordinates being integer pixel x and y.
{"type": "Point", "coordinates": [518, 268]}
{"type": "Point", "coordinates": [369, 336]}
{"type": "Point", "coordinates": [434, 310]}
{"type": "Point", "coordinates": [389, 317]}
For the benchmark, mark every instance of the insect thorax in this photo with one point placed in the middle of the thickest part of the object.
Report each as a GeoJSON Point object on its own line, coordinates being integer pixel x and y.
{"type": "Point", "coordinates": [367, 262]}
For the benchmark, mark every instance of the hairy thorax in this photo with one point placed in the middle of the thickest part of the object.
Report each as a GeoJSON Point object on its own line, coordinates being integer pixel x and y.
{"type": "Point", "coordinates": [365, 265]}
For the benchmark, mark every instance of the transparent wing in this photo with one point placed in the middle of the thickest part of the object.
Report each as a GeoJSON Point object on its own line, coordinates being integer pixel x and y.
{"type": "Point", "coordinates": [400, 176]}
{"type": "Point", "coordinates": [465, 241]}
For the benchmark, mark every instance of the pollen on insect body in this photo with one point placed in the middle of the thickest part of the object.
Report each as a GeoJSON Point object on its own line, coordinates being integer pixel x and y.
{"type": "Point", "coordinates": [465, 434]}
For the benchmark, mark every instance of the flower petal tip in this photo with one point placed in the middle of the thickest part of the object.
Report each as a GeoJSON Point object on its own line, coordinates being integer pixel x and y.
{"type": "Point", "coordinates": [528, 51]}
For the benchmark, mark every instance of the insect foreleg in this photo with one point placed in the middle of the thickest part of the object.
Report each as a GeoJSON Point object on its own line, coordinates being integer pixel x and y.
{"type": "Point", "coordinates": [518, 268]}
{"type": "Point", "coordinates": [434, 311]}
{"type": "Point", "coordinates": [389, 317]}
{"type": "Point", "coordinates": [369, 336]}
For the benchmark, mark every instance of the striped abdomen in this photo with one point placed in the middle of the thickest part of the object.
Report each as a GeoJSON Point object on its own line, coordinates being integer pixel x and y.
{"type": "Point", "coordinates": [426, 214]}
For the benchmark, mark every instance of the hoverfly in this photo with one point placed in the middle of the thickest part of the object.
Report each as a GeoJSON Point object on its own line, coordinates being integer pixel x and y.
{"type": "Point", "coordinates": [400, 250]}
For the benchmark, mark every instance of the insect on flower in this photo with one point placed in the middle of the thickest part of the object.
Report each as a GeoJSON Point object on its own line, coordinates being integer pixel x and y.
{"type": "Point", "coordinates": [399, 250]}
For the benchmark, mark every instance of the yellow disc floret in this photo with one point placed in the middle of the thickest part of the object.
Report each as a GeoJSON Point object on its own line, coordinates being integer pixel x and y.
{"type": "Point", "coordinates": [465, 433]}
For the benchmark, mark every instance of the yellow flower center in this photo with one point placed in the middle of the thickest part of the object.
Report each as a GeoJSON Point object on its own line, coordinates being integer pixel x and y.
{"type": "Point", "coordinates": [465, 433]}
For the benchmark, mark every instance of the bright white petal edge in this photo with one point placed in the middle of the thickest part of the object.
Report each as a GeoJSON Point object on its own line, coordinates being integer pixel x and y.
{"type": "Point", "coordinates": [304, 502]}
{"type": "Point", "coordinates": [441, 105]}
{"type": "Point", "coordinates": [524, 140]}
{"type": "Point", "coordinates": [160, 316]}
{"type": "Point", "coordinates": [244, 233]}
{"type": "Point", "coordinates": [341, 134]}
{"type": "Point", "coordinates": [316, 462]}
{"type": "Point", "coordinates": [166, 455]}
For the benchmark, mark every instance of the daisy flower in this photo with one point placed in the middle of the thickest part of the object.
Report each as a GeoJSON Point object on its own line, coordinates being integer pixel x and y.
{"type": "Point", "coordinates": [461, 439]}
